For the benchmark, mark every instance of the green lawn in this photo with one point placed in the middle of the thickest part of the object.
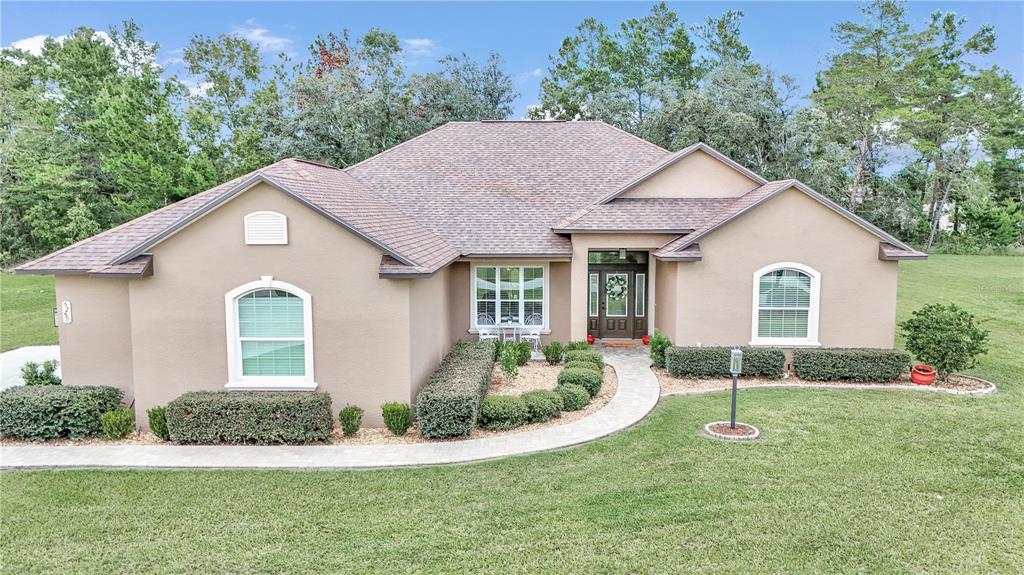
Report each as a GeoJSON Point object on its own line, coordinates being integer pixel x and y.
{"type": "Point", "coordinates": [26, 311]}
{"type": "Point", "coordinates": [842, 481]}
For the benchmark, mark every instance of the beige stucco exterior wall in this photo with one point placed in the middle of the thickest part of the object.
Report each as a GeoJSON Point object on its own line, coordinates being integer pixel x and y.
{"type": "Point", "coordinates": [698, 175]}
{"type": "Point", "coordinates": [581, 245]}
{"type": "Point", "coordinates": [429, 324]}
{"type": "Point", "coordinates": [666, 295]}
{"type": "Point", "coordinates": [96, 347]}
{"type": "Point", "coordinates": [858, 291]}
{"type": "Point", "coordinates": [361, 323]}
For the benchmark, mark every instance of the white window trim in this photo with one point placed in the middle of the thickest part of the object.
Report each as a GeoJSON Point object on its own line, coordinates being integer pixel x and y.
{"type": "Point", "coordinates": [267, 383]}
{"type": "Point", "coordinates": [545, 329]}
{"type": "Point", "coordinates": [249, 241]}
{"type": "Point", "coordinates": [812, 316]}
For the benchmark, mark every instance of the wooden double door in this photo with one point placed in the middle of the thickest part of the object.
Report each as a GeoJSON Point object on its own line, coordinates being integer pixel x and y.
{"type": "Point", "coordinates": [617, 304]}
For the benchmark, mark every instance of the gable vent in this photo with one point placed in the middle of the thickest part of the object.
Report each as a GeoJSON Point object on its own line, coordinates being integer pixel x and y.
{"type": "Point", "coordinates": [266, 228]}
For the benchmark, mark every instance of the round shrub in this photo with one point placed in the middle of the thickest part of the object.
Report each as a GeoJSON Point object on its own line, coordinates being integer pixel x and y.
{"type": "Point", "coordinates": [503, 412]}
{"type": "Point", "coordinates": [659, 343]}
{"type": "Point", "coordinates": [351, 416]}
{"type": "Point", "coordinates": [945, 337]}
{"type": "Point", "coordinates": [588, 379]}
{"type": "Point", "coordinates": [523, 352]}
{"type": "Point", "coordinates": [553, 352]}
{"type": "Point", "coordinates": [585, 355]}
{"type": "Point", "coordinates": [158, 422]}
{"type": "Point", "coordinates": [574, 397]}
{"type": "Point", "coordinates": [583, 365]}
{"type": "Point", "coordinates": [117, 423]}
{"type": "Point", "coordinates": [580, 344]}
{"type": "Point", "coordinates": [397, 417]}
{"type": "Point", "coordinates": [543, 404]}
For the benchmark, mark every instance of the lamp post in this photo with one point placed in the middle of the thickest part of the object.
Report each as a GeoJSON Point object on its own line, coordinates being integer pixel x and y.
{"type": "Point", "coordinates": [735, 368]}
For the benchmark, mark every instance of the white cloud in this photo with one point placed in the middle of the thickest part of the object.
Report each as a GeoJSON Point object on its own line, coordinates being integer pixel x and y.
{"type": "Point", "coordinates": [262, 37]}
{"type": "Point", "coordinates": [34, 44]}
{"type": "Point", "coordinates": [536, 72]}
{"type": "Point", "coordinates": [197, 88]}
{"type": "Point", "coordinates": [419, 48]}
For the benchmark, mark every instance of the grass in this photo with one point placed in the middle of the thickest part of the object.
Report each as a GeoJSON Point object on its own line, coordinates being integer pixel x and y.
{"type": "Point", "coordinates": [26, 311]}
{"type": "Point", "coordinates": [843, 481]}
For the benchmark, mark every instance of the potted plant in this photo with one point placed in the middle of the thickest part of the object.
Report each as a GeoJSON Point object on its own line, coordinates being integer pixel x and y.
{"type": "Point", "coordinates": [922, 374]}
{"type": "Point", "coordinates": [591, 339]}
{"type": "Point", "coordinates": [646, 339]}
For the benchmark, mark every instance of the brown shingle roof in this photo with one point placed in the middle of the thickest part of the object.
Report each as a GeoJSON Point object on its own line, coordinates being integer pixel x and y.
{"type": "Point", "coordinates": [662, 215]}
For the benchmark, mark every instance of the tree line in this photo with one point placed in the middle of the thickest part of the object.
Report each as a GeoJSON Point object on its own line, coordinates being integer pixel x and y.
{"type": "Point", "coordinates": [901, 126]}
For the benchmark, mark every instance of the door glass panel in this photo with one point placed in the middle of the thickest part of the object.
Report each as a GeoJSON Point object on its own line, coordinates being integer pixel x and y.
{"type": "Point", "coordinates": [616, 290]}
{"type": "Point", "coordinates": [595, 296]}
{"type": "Point", "coordinates": [640, 295]}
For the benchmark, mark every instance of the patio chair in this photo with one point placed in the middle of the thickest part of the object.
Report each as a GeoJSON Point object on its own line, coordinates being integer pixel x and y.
{"type": "Point", "coordinates": [486, 328]}
{"type": "Point", "coordinates": [530, 331]}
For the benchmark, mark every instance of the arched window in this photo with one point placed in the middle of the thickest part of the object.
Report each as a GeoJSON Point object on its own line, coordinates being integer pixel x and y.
{"type": "Point", "coordinates": [785, 310]}
{"type": "Point", "coordinates": [270, 336]}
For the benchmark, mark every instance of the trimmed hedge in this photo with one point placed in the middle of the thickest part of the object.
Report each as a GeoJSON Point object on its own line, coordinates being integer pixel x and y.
{"type": "Point", "coordinates": [449, 403]}
{"type": "Point", "coordinates": [713, 362]}
{"type": "Point", "coordinates": [852, 364]}
{"type": "Point", "coordinates": [583, 365]}
{"type": "Point", "coordinates": [588, 379]}
{"type": "Point", "coordinates": [580, 344]}
{"type": "Point", "coordinates": [351, 417]}
{"type": "Point", "coordinates": [250, 417]}
{"type": "Point", "coordinates": [543, 404]}
{"type": "Point", "coordinates": [574, 397]}
{"type": "Point", "coordinates": [585, 355]}
{"type": "Point", "coordinates": [50, 411]}
{"type": "Point", "coordinates": [503, 412]}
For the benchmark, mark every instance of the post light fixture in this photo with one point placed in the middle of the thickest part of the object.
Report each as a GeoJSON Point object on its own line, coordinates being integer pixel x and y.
{"type": "Point", "coordinates": [735, 368]}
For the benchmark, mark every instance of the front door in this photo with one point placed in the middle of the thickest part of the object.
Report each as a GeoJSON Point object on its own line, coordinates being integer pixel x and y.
{"type": "Point", "coordinates": [617, 306]}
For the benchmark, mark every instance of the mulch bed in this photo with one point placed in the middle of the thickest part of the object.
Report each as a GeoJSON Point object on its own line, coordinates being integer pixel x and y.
{"type": "Point", "coordinates": [741, 430]}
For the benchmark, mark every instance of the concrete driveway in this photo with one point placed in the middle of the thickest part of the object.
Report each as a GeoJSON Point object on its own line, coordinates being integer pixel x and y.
{"type": "Point", "coordinates": [11, 362]}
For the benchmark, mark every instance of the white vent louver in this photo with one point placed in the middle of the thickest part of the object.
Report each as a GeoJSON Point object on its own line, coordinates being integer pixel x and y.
{"type": "Point", "coordinates": [266, 228]}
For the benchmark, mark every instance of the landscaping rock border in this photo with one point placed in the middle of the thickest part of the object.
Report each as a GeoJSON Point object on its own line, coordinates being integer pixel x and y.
{"type": "Point", "coordinates": [727, 437]}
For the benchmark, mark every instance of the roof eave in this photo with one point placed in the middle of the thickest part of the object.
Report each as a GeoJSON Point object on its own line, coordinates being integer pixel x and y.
{"type": "Point", "coordinates": [676, 231]}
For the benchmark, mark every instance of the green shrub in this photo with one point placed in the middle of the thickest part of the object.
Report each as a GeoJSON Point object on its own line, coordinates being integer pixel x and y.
{"type": "Point", "coordinates": [397, 417]}
{"type": "Point", "coordinates": [659, 343]}
{"type": "Point", "coordinates": [42, 412]}
{"type": "Point", "coordinates": [588, 379]}
{"type": "Point", "coordinates": [524, 350]}
{"type": "Point", "coordinates": [574, 397]}
{"type": "Point", "coordinates": [250, 417]}
{"type": "Point", "coordinates": [117, 423]}
{"type": "Point", "coordinates": [543, 404]}
{"type": "Point", "coordinates": [449, 403]}
{"type": "Point", "coordinates": [503, 412]}
{"type": "Point", "coordinates": [351, 417]}
{"type": "Point", "coordinates": [577, 345]}
{"type": "Point", "coordinates": [553, 352]}
{"type": "Point", "coordinates": [33, 373]}
{"type": "Point", "coordinates": [508, 361]}
{"type": "Point", "coordinates": [945, 337]}
{"type": "Point", "coordinates": [577, 364]}
{"type": "Point", "coordinates": [851, 364]}
{"type": "Point", "coordinates": [713, 362]}
{"type": "Point", "coordinates": [585, 355]}
{"type": "Point", "coordinates": [158, 422]}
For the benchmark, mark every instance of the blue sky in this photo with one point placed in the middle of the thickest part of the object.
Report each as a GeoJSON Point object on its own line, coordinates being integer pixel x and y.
{"type": "Point", "coordinates": [793, 38]}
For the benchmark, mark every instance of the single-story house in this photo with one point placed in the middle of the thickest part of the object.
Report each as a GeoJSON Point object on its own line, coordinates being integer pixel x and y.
{"type": "Point", "coordinates": [356, 281]}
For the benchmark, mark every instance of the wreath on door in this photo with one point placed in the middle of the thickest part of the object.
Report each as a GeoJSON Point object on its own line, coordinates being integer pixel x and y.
{"type": "Point", "coordinates": [615, 287]}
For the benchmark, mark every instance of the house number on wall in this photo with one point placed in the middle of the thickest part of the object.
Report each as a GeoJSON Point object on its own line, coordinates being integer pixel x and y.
{"type": "Point", "coordinates": [65, 311]}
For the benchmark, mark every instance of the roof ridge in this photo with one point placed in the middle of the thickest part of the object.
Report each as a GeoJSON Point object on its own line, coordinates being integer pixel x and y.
{"type": "Point", "coordinates": [399, 145]}
{"type": "Point", "coordinates": [634, 136]}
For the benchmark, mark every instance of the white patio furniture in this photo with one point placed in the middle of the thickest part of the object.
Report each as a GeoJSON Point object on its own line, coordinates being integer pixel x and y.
{"type": "Point", "coordinates": [486, 328]}
{"type": "Point", "coordinates": [530, 330]}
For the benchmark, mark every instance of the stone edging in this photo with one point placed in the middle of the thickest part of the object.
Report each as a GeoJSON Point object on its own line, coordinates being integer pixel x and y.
{"type": "Point", "coordinates": [895, 387]}
{"type": "Point", "coordinates": [637, 394]}
{"type": "Point", "coordinates": [716, 435]}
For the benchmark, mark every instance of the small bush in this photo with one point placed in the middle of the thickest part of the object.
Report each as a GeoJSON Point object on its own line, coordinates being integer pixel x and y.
{"type": "Point", "coordinates": [250, 417]}
{"type": "Point", "coordinates": [42, 412]}
{"type": "Point", "coordinates": [524, 350]}
{"type": "Point", "coordinates": [713, 362]}
{"type": "Point", "coordinates": [577, 364]}
{"type": "Point", "coordinates": [659, 343]}
{"type": "Point", "coordinates": [508, 360]}
{"type": "Point", "coordinates": [158, 422]}
{"type": "Point", "coordinates": [851, 364]}
{"type": "Point", "coordinates": [503, 412]}
{"type": "Point", "coordinates": [577, 345]}
{"type": "Point", "coordinates": [574, 397]}
{"type": "Point", "coordinates": [33, 373]}
{"type": "Point", "coordinates": [945, 337]}
{"type": "Point", "coordinates": [449, 403]}
{"type": "Point", "coordinates": [587, 379]}
{"type": "Point", "coordinates": [397, 417]}
{"type": "Point", "coordinates": [117, 423]}
{"type": "Point", "coordinates": [351, 417]}
{"type": "Point", "coordinates": [543, 404]}
{"type": "Point", "coordinates": [553, 352]}
{"type": "Point", "coordinates": [585, 355]}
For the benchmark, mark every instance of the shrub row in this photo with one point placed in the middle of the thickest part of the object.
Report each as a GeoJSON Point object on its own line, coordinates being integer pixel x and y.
{"type": "Point", "coordinates": [449, 403]}
{"type": "Point", "coordinates": [590, 355]}
{"type": "Point", "coordinates": [713, 362]}
{"type": "Point", "coordinates": [41, 412]}
{"type": "Point", "coordinates": [250, 417]}
{"type": "Point", "coordinates": [853, 364]}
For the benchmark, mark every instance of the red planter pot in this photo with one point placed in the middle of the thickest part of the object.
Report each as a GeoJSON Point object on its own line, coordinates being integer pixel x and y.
{"type": "Point", "coordinates": [591, 339]}
{"type": "Point", "coordinates": [922, 375]}
{"type": "Point", "coordinates": [646, 339]}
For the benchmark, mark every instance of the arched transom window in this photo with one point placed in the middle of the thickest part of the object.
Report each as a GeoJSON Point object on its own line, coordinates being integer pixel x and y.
{"type": "Point", "coordinates": [269, 336]}
{"type": "Point", "coordinates": [785, 305]}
